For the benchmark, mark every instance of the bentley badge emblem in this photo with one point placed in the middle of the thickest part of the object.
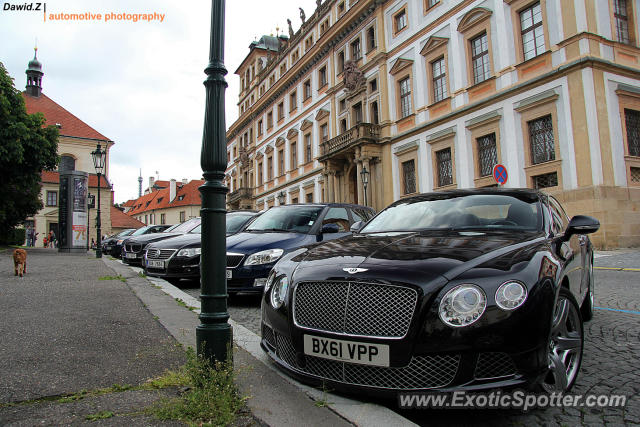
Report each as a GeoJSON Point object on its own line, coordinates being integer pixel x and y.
{"type": "Point", "coordinates": [353, 270]}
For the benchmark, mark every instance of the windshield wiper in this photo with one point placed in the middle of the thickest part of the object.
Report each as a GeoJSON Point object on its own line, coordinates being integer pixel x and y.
{"type": "Point", "coordinates": [275, 229]}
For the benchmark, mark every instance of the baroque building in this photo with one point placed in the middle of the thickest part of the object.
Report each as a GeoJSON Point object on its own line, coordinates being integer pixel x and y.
{"type": "Point", "coordinates": [429, 95]}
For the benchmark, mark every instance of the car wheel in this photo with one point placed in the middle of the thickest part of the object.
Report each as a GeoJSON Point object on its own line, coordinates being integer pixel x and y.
{"type": "Point", "coordinates": [565, 345]}
{"type": "Point", "coordinates": [587, 305]}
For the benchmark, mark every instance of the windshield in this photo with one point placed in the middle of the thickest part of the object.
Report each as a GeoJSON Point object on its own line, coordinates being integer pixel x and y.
{"type": "Point", "coordinates": [140, 231]}
{"type": "Point", "coordinates": [125, 232]}
{"type": "Point", "coordinates": [298, 219]}
{"type": "Point", "coordinates": [481, 212]}
{"type": "Point", "coordinates": [236, 221]}
{"type": "Point", "coordinates": [186, 226]}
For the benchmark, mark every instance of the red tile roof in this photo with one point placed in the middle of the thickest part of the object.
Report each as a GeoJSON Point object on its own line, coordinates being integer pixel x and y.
{"type": "Point", "coordinates": [130, 202]}
{"type": "Point", "coordinates": [120, 219]}
{"type": "Point", "coordinates": [54, 113]}
{"type": "Point", "coordinates": [186, 195]}
{"type": "Point", "coordinates": [52, 177]}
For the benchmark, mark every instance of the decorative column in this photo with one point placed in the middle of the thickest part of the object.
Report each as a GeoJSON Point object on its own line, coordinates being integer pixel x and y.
{"type": "Point", "coordinates": [214, 334]}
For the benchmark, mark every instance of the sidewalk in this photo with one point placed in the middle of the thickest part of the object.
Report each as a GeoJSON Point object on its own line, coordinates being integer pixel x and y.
{"type": "Point", "coordinates": [63, 330]}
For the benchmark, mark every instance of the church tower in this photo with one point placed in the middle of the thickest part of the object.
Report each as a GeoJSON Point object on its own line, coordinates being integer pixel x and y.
{"type": "Point", "coordinates": [140, 184]}
{"type": "Point", "coordinates": [34, 76]}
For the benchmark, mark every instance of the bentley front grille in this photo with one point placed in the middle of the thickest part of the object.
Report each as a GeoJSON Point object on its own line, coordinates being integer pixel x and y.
{"type": "Point", "coordinates": [160, 253]}
{"type": "Point", "coordinates": [421, 373]}
{"type": "Point", "coordinates": [494, 365]}
{"type": "Point", "coordinates": [355, 308]}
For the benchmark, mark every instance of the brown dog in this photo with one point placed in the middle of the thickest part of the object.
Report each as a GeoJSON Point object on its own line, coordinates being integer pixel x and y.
{"type": "Point", "coordinates": [20, 262]}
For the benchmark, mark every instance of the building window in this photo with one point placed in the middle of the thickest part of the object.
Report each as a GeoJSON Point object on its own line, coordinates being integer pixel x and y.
{"type": "Point", "coordinates": [294, 155]}
{"type": "Point", "coordinates": [283, 69]}
{"type": "Point", "coordinates": [541, 139]}
{"type": "Point", "coordinates": [356, 52]}
{"type": "Point", "coordinates": [269, 168]}
{"type": "Point", "coordinates": [52, 198]}
{"type": "Point", "coordinates": [293, 101]}
{"type": "Point", "coordinates": [309, 197]}
{"type": "Point", "coordinates": [621, 20]}
{"type": "Point", "coordinates": [632, 122]}
{"type": "Point", "coordinates": [371, 39]}
{"type": "Point", "coordinates": [269, 120]}
{"type": "Point", "coordinates": [340, 8]}
{"type": "Point", "coordinates": [480, 58]}
{"type": "Point", "coordinates": [307, 148]}
{"type": "Point", "coordinates": [146, 219]}
{"type": "Point", "coordinates": [340, 62]}
{"type": "Point", "coordinates": [324, 26]}
{"type": "Point", "coordinates": [532, 31]}
{"type": "Point", "coordinates": [487, 154]}
{"type": "Point", "coordinates": [260, 174]}
{"type": "Point", "coordinates": [295, 56]}
{"type": "Point", "coordinates": [373, 85]}
{"type": "Point", "coordinates": [445, 167]}
{"type": "Point", "coordinates": [405, 97]}
{"type": "Point", "coordinates": [281, 162]}
{"type": "Point", "coordinates": [400, 21]}
{"type": "Point", "coordinates": [357, 113]}
{"type": "Point", "coordinates": [163, 219]}
{"type": "Point", "coordinates": [182, 216]}
{"type": "Point", "coordinates": [342, 105]}
{"type": "Point", "coordinates": [343, 125]}
{"type": "Point", "coordinates": [322, 76]}
{"type": "Point", "coordinates": [281, 111]}
{"type": "Point", "coordinates": [374, 113]}
{"type": "Point", "coordinates": [307, 90]}
{"type": "Point", "coordinates": [431, 3]}
{"type": "Point", "coordinates": [409, 176]}
{"type": "Point", "coordinates": [308, 43]}
{"type": "Point", "coordinates": [272, 80]}
{"type": "Point", "coordinates": [260, 127]}
{"type": "Point", "coordinates": [545, 180]}
{"type": "Point", "coordinates": [439, 79]}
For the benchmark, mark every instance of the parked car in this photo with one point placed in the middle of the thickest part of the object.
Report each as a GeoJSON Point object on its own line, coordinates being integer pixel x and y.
{"type": "Point", "coordinates": [109, 243]}
{"type": "Point", "coordinates": [456, 290]}
{"type": "Point", "coordinates": [134, 247]}
{"type": "Point", "coordinates": [179, 257]}
{"type": "Point", "coordinates": [252, 253]}
{"type": "Point", "coordinates": [147, 229]}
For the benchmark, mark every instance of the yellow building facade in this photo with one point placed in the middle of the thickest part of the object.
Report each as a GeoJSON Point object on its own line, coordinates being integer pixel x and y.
{"type": "Point", "coordinates": [429, 95]}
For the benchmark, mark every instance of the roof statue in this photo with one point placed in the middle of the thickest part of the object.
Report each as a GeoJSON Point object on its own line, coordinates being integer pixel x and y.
{"type": "Point", "coordinates": [290, 29]}
{"type": "Point", "coordinates": [303, 17]}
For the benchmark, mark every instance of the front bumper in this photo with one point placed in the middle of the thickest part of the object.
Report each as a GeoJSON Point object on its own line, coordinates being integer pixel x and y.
{"type": "Point", "coordinates": [248, 278]}
{"type": "Point", "coordinates": [177, 267]}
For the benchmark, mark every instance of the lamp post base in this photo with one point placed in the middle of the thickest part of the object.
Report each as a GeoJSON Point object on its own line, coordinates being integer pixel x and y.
{"type": "Point", "coordinates": [214, 342]}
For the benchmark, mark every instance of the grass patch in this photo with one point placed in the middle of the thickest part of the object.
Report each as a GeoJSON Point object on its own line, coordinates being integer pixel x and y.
{"type": "Point", "coordinates": [141, 274]}
{"type": "Point", "coordinates": [213, 398]}
{"type": "Point", "coordinates": [184, 304]}
{"type": "Point", "coordinates": [118, 277]}
{"type": "Point", "coordinates": [102, 415]}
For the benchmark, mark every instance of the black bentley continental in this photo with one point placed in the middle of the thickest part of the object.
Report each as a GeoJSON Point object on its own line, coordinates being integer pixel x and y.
{"type": "Point", "coordinates": [455, 290]}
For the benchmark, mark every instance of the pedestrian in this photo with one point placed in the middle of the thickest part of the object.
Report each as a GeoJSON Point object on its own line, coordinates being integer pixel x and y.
{"type": "Point", "coordinates": [52, 239]}
{"type": "Point", "coordinates": [29, 235]}
{"type": "Point", "coordinates": [34, 238]}
{"type": "Point", "coordinates": [45, 241]}
{"type": "Point", "coordinates": [93, 243]}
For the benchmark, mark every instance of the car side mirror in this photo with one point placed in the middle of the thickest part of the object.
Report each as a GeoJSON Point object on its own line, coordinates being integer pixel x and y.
{"type": "Point", "coordinates": [582, 224]}
{"type": "Point", "coordinates": [356, 226]}
{"type": "Point", "coordinates": [330, 228]}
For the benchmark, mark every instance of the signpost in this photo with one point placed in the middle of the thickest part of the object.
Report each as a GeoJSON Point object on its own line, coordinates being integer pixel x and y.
{"type": "Point", "coordinates": [500, 174]}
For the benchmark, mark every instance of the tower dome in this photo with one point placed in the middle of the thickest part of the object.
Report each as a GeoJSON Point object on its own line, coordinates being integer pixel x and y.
{"type": "Point", "coordinates": [34, 75]}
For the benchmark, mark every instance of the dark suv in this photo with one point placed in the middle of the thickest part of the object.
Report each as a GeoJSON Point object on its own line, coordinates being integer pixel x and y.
{"type": "Point", "coordinates": [133, 248]}
{"type": "Point", "coordinates": [281, 229]}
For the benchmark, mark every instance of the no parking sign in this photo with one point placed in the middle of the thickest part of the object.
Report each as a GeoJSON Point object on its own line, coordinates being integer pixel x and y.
{"type": "Point", "coordinates": [500, 174]}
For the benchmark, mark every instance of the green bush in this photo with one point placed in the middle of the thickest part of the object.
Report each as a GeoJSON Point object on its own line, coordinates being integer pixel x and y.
{"type": "Point", "coordinates": [15, 236]}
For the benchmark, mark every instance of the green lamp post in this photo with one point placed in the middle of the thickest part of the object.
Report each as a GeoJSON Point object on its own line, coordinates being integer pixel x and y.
{"type": "Point", "coordinates": [214, 334]}
{"type": "Point", "coordinates": [99, 160]}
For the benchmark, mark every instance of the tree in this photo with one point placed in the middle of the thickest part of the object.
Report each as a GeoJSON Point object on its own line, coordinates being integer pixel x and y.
{"type": "Point", "coordinates": [26, 149]}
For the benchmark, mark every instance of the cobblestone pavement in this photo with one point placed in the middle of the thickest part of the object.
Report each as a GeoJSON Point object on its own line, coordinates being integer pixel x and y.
{"type": "Point", "coordinates": [610, 362]}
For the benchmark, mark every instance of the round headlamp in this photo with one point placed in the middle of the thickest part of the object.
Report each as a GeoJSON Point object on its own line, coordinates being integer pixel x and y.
{"type": "Point", "coordinates": [511, 295]}
{"type": "Point", "coordinates": [279, 291]}
{"type": "Point", "coordinates": [462, 305]}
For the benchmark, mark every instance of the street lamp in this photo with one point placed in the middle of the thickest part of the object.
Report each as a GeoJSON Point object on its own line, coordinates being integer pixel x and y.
{"type": "Point", "coordinates": [214, 334]}
{"type": "Point", "coordinates": [99, 159]}
{"type": "Point", "coordinates": [281, 198]}
{"type": "Point", "coordinates": [364, 174]}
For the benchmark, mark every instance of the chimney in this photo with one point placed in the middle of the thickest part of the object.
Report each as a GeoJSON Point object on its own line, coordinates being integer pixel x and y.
{"type": "Point", "coordinates": [151, 181]}
{"type": "Point", "coordinates": [185, 181]}
{"type": "Point", "coordinates": [172, 190]}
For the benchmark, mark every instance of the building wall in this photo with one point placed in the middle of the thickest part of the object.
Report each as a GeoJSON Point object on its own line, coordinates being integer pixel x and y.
{"type": "Point", "coordinates": [172, 215]}
{"type": "Point", "coordinates": [582, 76]}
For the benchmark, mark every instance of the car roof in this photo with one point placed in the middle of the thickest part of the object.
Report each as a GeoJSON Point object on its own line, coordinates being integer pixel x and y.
{"type": "Point", "coordinates": [332, 204]}
{"type": "Point", "coordinates": [475, 191]}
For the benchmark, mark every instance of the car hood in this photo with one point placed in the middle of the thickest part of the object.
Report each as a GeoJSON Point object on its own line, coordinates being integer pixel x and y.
{"type": "Point", "coordinates": [246, 243]}
{"type": "Point", "coordinates": [443, 254]}
{"type": "Point", "coordinates": [148, 238]}
{"type": "Point", "coordinates": [179, 241]}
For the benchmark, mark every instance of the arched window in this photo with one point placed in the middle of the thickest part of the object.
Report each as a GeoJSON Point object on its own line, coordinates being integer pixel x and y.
{"type": "Point", "coordinates": [67, 163]}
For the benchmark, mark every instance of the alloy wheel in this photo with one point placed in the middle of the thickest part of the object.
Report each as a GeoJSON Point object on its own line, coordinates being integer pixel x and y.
{"type": "Point", "coordinates": [565, 345]}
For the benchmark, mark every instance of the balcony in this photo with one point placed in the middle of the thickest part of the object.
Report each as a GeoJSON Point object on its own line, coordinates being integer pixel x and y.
{"type": "Point", "coordinates": [362, 133]}
{"type": "Point", "coordinates": [240, 193]}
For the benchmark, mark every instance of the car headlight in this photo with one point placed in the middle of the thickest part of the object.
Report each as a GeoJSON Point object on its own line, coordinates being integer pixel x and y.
{"type": "Point", "coordinates": [272, 276]}
{"type": "Point", "coordinates": [264, 257]}
{"type": "Point", "coordinates": [511, 295]}
{"type": "Point", "coordinates": [462, 305]}
{"type": "Point", "coordinates": [189, 252]}
{"type": "Point", "coordinates": [279, 291]}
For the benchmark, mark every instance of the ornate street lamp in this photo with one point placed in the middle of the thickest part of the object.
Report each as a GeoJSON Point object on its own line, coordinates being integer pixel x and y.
{"type": "Point", "coordinates": [281, 198]}
{"type": "Point", "coordinates": [214, 334]}
{"type": "Point", "coordinates": [364, 174]}
{"type": "Point", "coordinates": [99, 159]}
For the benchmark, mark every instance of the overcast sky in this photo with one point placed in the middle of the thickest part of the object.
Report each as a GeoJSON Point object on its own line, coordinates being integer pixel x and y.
{"type": "Point", "coordinates": [139, 83]}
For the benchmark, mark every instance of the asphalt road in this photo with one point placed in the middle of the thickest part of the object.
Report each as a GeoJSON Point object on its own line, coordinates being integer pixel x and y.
{"type": "Point", "coordinates": [609, 366]}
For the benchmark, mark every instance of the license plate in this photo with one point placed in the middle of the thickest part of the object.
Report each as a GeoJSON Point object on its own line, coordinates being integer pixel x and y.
{"type": "Point", "coordinates": [130, 255]}
{"type": "Point", "coordinates": [155, 264]}
{"type": "Point", "coordinates": [229, 274]}
{"type": "Point", "coordinates": [363, 353]}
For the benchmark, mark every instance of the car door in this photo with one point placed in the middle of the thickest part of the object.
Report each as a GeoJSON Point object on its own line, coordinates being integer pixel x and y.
{"type": "Point", "coordinates": [571, 250]}
{"type": "Point", "coordinates": [340, 217]}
